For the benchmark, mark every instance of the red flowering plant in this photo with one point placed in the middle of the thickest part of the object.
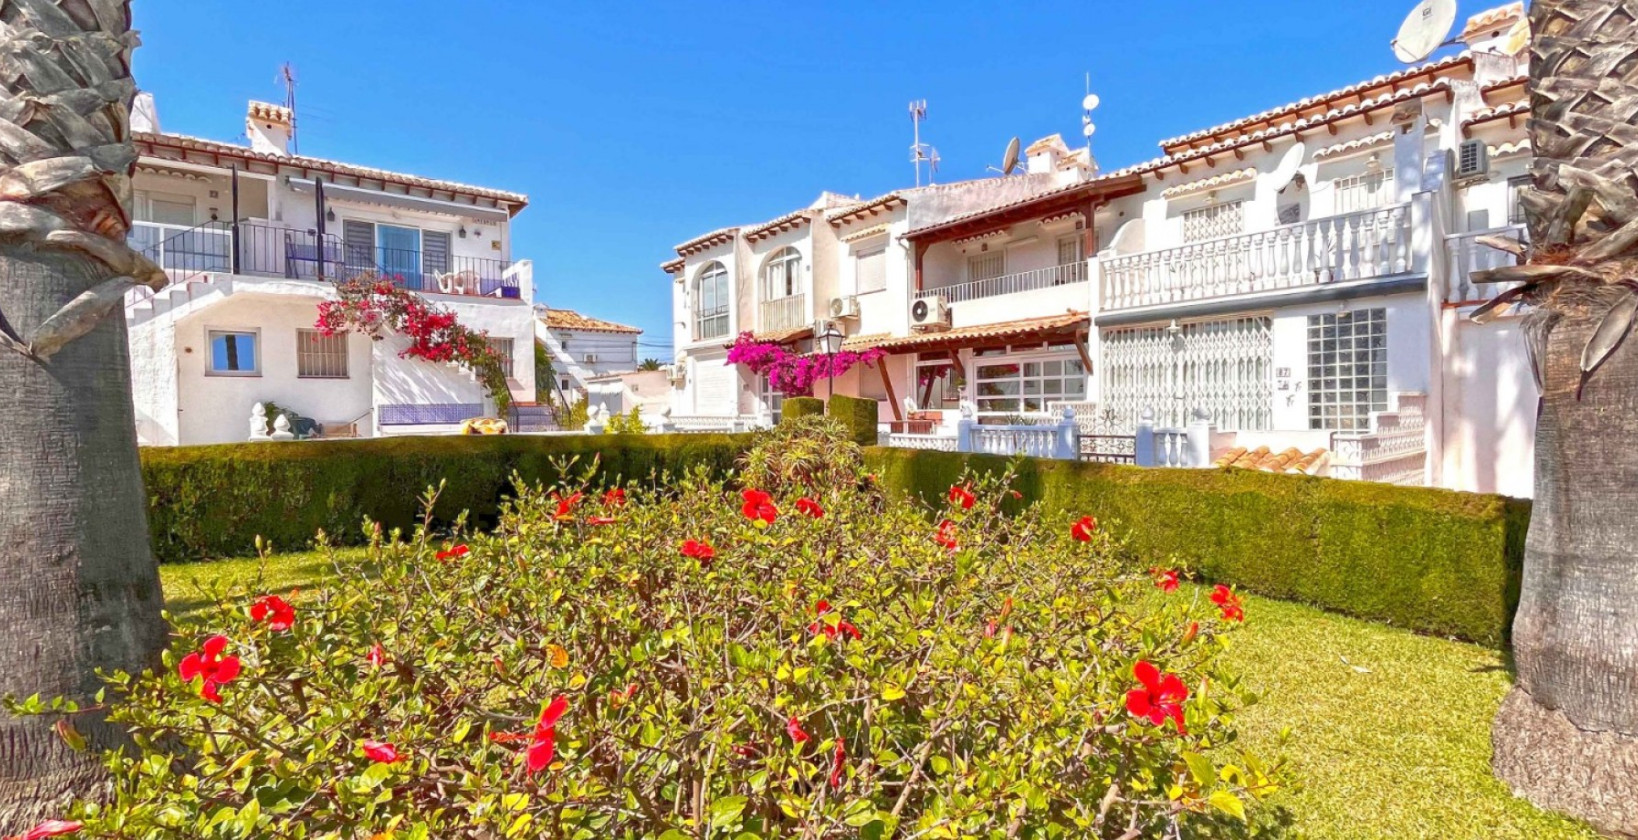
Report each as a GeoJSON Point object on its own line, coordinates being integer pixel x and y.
{"type": "Point", "coordinates": [377, 307]}
{"type": "Point", "coordinates": [794, 374]}
{"type": "Point", "coordinates": [830, 677]}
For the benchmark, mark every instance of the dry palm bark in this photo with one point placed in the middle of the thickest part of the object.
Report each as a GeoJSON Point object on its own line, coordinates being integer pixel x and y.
{"type": "Point", "coordinates": [1567, 735]}
{"type": "Point", "coordinates": [78, 586]}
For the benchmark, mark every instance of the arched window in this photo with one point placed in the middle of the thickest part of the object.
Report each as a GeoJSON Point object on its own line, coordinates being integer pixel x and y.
{"type": "Point", "coordinates": [782, 274]}
{"type": "Point", "coordinates": [711, 302]}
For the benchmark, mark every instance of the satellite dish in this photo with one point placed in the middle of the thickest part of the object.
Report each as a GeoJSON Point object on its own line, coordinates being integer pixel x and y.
{"type": "Point", "coordinates": [1424, 30]}
{"type": "Point", "coordinates": [1009, 161]}
{"type": "Point", "coordinates": [1088, 129]}
{"type": "Point", "coordinates": [1280, 176]}
{"type": "Point", "coordinates": [1091, 101]}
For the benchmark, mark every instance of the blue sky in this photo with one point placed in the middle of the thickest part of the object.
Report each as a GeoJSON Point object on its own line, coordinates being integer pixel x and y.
{"type": "Point", "coordinates": [634, 126]}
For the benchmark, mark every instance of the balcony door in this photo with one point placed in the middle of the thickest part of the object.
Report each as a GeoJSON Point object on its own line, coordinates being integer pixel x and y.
{"type": "Point", "coordinates": [399, 253]}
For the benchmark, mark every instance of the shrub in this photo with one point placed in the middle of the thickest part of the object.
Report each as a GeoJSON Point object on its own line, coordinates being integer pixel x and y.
{"type": "Point", "coordinates": [859, 416]}
{"type": "Point", "coordinates": [215, 501]}
{"type": "Point", "coordinates": [808, 451]}
{"type": "Point", "coordinates": [693, 662]}
{"type": "Point", "coordinates": [1430, 560]}
{"type": "Point", "coordinates": [627, 424]}
{"type": "Point", "coordinates": [795, 407]}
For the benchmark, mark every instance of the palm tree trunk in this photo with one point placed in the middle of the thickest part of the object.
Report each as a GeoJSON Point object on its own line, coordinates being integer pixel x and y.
{"type": "Point", "coordinates": [78, 586]}
{"type": "Point", "coordinates": [1566, 737]}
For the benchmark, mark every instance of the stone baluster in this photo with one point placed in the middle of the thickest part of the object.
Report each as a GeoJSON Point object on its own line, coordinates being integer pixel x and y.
{"type": "Point", "coordinates": [1401, 241]}
{"type": "Point", "coordinates": [281, 428]}
{"type": "Point", "coordinates": [258, 422]}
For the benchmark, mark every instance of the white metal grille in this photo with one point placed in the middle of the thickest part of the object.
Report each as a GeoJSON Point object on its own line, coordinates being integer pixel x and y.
{"type": "Point", "coordinates": [1213, 221]}
{"type": "Point", "coordinates": [320, 356]}
{"type": "Point", "coordinates": [1347, 369]}
{"type": "Point", "coordinates": [1366, 191]}
{"type": "Point", "coordinates": [1220, 367]}
{"type": "Point", "coordinates": [503, 346]}
{"type": "Point", "coordinates": [987, 266]}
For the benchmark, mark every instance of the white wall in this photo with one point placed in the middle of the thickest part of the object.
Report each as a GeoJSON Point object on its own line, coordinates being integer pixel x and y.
{"type": "Point", "coordinates": [1490, 408]}
{"type": "Point", "coordinates": [216, 409]}
{"type": "Point", "coordinates": [615, 352]}
{"type": "Point", "coordinates": [1408, 351]}
{"type": "Point", "coordinates": [153, 383]}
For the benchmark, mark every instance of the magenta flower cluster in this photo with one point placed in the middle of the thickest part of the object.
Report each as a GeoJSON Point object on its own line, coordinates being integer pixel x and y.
{"type": "Point", "coordinates": [792, 374]}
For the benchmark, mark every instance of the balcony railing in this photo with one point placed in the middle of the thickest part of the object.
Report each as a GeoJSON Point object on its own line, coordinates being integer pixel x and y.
{"type": "Point", "coordinates": [1467, 255]}
{"type": "Point", "coordinates": [786, 313]}
{"type": "Point", "coordinates": [266, 250]}
{"type": "Point", "coordinates": [1006, 284]}
{"type": "Point", "coordinates": [1355, 246]}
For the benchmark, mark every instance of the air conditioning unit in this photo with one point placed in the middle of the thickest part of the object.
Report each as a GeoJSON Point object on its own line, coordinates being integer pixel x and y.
{"type": "Point", "coordinates": [590, 358]}
{"type": "Point", "coordinates": [1472, 160]}
{"type": "Point", "coordinates": [930, 313]}
{"type": "Point", "coordinates": [844, 307]}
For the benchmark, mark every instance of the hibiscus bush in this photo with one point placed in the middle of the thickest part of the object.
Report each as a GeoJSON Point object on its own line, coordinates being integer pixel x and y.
{"type": "Point", "coordinates": [804, 659]}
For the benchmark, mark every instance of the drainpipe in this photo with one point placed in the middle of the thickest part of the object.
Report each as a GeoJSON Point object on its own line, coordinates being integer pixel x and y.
{"type": "Point", "coordinates": [234, 236]}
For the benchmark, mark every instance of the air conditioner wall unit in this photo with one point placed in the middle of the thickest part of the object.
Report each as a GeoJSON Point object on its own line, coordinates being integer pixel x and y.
{"type": "Point", "coordinates": [1472, 160]}
{"type": "Point", "coordinates": [844, 307]}
{"type": "Point", "coordinates": [930, 313]}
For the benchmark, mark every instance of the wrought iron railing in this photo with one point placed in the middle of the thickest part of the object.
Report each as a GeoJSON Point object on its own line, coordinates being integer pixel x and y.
{"type": "Point", "coordinates": [446, 274]}
{"type": "Point", "coordinates": [1007, 284]}
{"type": "Point", "coordinates": [184, 250]}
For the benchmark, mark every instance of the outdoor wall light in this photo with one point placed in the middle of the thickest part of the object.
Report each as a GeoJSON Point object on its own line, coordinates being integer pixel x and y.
{"type": "Point", "coordinates": [329, 215]}
{"type": "Point", "coordinates": [461, 232]}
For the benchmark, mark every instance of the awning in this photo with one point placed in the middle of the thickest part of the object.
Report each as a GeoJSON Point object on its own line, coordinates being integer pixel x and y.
{"type": "Point", "coordinates": [1062, 327]}
{"type": "Point", "coordinates": [341, 192]}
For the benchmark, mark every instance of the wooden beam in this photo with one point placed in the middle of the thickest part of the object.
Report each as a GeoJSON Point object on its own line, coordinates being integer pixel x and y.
{"type": "Point", "coordinates": [955, 359]}
{"type": "Point", "coordinates": [1089, 233]}
{"type": "Point", "coordinates": [920, 250]}
{"type": "Point", "coordinates": [1080, 347]}
{"type": "Point", "coordinates": [887, 382]}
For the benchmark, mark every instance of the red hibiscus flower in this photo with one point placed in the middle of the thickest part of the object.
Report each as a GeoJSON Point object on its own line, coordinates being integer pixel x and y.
{"type": "Point", "coordinates": [809, 507]}
{"type": "Point", "coordinates": [600, 520]}
{"type": "Point", "coordinates": [50, 828]}
{"type": "Point", "coordinates": [697, 550]}
{"type": "Point", "coordinates": [1165, 580]}
{"type": "Point", "coordinates": [565, 506]}
{"type": "Point", "coordinates": [1159, 698]}
{"type": "Point", "coordinates": [1190, 633]}
{"type": "Point", "coordinates": [209, 664]}
{"type": "Point", "coordinates": [275, 612]}
{"type": "Point", "coordinates": [615, 497]}
{"type": "Point", "coordinates": [962, 494]}
{"type": "Point", "coordinates": [843, 627]}
{"type": "Point", "coordinates": [376, 656]}
{"type": "Point", "coordinates": [544, 743]}
{"type": "Point", "coordinates": [381, 753]}
{"type": "Point", "coordinates": [1228, 602]}
{"type": "Point", "coordinates": [946, 535]}
{"type": "Point", "coordinates": [759, 506]}
{"type": "Point", "coordinates": [1083, 529]}
{"type": "Point", "coordinates": [793, 727]}
{"type": "Point", "coordinates": [837, 762]}
{"type": "Point", "coordinates": [452, 553]}
{"type": "Point", "coordinates": [620, 698]}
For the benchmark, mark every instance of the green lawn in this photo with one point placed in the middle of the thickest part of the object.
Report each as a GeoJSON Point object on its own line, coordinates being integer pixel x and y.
{"type": "Point", "coordinates": [1390, 731]}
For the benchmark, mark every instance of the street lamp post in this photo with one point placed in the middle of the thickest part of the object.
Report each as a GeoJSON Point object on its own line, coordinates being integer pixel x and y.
{"type": "Point", "coordinates": [830, 341]}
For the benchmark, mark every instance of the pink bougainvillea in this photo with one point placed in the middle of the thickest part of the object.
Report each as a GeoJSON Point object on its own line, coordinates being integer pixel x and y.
{"type": "Point", "coordinates": [375, 306]}
{"type": "Point", "coordinates": [793, 374]}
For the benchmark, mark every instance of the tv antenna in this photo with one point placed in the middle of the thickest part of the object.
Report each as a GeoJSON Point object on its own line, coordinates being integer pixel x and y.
{"type": "Point", "coordinates": [921, 152]}
{"type": "Point", "coordinates": [287, 77]}
{"type": "Point", "coordinates": [1089, 103]}
{"type": "Point", "coordinates": [1424, 30]}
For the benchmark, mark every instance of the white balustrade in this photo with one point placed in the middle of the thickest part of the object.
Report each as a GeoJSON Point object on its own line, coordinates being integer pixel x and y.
{"type": "Point", "coordinates": [786, 313]}
{"type": "Point", "coordinates": [1468, 255]}
{"type": "Point", "coordinates": [1353, 246]}
{"type": "Point", "coordinates": [902, 440]}
{"type": "Point", "coordinates": [1393, 450]}
{"type": "Point", "coordinates": [1006, 284]}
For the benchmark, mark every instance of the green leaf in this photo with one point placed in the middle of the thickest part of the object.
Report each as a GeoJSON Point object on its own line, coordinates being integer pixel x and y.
{"type": "Point", "coordinates": [727, 809]}
{"type": "Point", "coordinates": [891, 692]}
{"type": "Point", "coordinates": [1200, 767]}
{"type": "Point", "coordinates": [1228, 803]}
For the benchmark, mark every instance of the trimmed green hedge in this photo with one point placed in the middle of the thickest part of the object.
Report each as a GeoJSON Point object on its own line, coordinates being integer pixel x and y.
{"type": "Point", "coordinates": [212, 501]}
{"type": "Point", "coordinates": [859, 416]}
{"type": "Point", "coordinates": [1430, 560]}
{"type": "Point", "coordinates": [795, 407]}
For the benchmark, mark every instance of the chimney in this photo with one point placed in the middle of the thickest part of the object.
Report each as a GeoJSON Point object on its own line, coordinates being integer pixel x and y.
{"type": "Point", "coordinates": [270, 127]}
{"type": "Point", "coordinates": [1044, 154]}
{"type": "Point", "coordinates": [144, 114]}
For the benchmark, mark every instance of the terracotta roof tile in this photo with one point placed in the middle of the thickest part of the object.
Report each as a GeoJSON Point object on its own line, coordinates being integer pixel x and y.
{"type": "Point", "coordinates": [700, 243]}
{"type": "Point", "coordinates": [156, 141]}
{"type": "Point", "coordinates": [1226, 179]}
{"type": "Point", "coordinates": [789, 221]}
{"type": "Point", "coordinates": [1517, 109]}
{"type": "Point", "coordinates": [568, 319]}
{"type": "Point", "coordinates": [968, 335]}
{"type": "Point", "coordinates": [1491, 18]}
{"type": "Point", "coordinates": [673, 266]}
{"type": "Point", "coordinates": [269, 112]}
{"type": "Point", "coordinates": [865, 209]}
{"type": "Point", "coordinates": [1289, 460]}
{"type": "Point", "coordinates": [784, 336]}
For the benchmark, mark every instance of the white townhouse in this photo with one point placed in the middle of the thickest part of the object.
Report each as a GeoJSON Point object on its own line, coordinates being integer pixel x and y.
{"type": "Point", "coordinates": [1297, 277]}
{"type": "Point", "coordinates": [253, 238]}
{"type": "Point", "coordinates": [583, 348]}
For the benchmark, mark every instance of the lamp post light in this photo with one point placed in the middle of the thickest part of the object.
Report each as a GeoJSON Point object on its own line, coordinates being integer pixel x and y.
{"type": "Point", "coordinates": [830, 341]}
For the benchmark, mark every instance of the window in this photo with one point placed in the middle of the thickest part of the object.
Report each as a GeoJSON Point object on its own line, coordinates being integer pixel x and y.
{"type": "Point", "coordinates": [1071, 259]}
{"type": "Point", "coordinates": [164, 209]}
{"type": "Point", "coordinates": [234, 353]}
{"type": "Point", "coordinates": [503, 347]}
{"type": "Point", "coordinates": [1363, 192]}
{"type": "Point", "coordinates": [320, 356]}
{"type": "Point", "coordinates": [711, 302]}
{"type": "Point", "coordinates": [1347, 369]}
{"type": "Point", "coordinates": [1516, 188]}
{"type": "Point", "coordinates": [413, 254]}
{"type": "Point", "coordinates": [871, 269]}
{"type": "Point", "coordinates": [938, 385]}
{"type": "Point", "coordinates": [770, 397]}
{"type": "Point", "coordinates": [987, 266]}
{"type": "Point", "coordinates": [782, 275]}
{"type": "Point", "coordinates": [1012, 387]}
{"type": "Point", "coordinates": [1214, 221]}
